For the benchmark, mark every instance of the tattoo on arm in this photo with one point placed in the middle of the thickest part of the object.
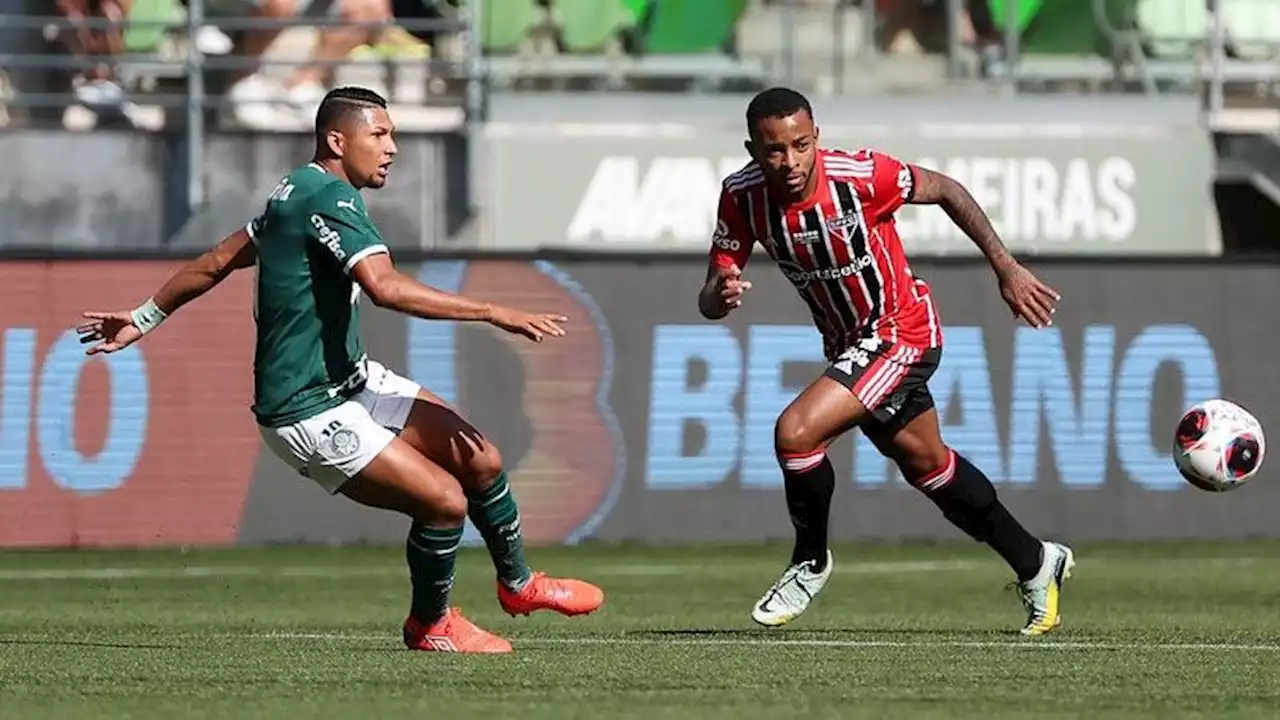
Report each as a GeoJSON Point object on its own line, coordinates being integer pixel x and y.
{"type": "Point", "coordinates": [932, 188]}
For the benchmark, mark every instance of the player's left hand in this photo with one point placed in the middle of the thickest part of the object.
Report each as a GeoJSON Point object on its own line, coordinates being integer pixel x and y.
{"type": "Point", "coordinates": [112, 331]}
{"type": "Point", "coordinates": [1029, 298]}
{"type": "Point", "coordinates": [534, 326]}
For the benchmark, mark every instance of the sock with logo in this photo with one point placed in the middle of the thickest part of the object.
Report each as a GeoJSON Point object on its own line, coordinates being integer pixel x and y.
{"type": "Point", "coordinates": [494, 512]}
{"type": "Point", "coordinates": [968, 499]}
{"type": "Point", "coordinates": [431, 553]}
{"type": "Point", "coordinates": [810, 481]}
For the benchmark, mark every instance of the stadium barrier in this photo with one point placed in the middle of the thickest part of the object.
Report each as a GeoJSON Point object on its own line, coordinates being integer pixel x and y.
{"type": "Point", "coordinates": [645, 423]}
{"type": "Point", "coordinates": [1082, 177]}
{"type": "Point", "coordinates": [1086, 176]}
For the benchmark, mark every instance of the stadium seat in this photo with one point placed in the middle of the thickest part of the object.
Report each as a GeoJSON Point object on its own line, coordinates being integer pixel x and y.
{"type": "Point", "coordinates": [1172, 29]}
{"type": "Point", "coordinates": [1026, 10]}
{"type": "Point", "coordinates": [1072, 40]}
{"type": "Point", "coordinates": [691, 26]}
{"type": "Point", "coordinates": [507, 23]}
{"type": "Point", "coordinates": [636, 9]}
{"type": "Point", "coordinates": [588, 26]}
{"type": "Point", "coordinates": [1061, 27]}
{"type": "Point", "coordinates": [144, 29]}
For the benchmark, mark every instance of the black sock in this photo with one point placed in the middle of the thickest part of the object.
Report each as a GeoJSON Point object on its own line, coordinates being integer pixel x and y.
{"type": "Point", "coordinates": [809, 493]}
{"type": "Point", "coordinates": [968, 500]}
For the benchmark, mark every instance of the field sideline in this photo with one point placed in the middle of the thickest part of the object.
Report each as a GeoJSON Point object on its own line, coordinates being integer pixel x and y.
{"type": "Point", "coordinates": [1153, 630]}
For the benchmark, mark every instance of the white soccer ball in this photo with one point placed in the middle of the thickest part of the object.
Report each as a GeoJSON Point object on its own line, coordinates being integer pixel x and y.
{"type": "Point", "coordinates": [1218, 445]}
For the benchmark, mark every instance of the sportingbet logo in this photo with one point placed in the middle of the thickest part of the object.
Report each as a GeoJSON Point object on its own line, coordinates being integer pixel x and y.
{"type": "Point", "coordinates": [801, 277]}
{"type": "Point", "coordinates": [329, 237]}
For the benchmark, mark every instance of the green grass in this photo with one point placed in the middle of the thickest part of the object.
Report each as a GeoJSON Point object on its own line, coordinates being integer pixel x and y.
{"type": "Point", "coordinates": [1177, 630]}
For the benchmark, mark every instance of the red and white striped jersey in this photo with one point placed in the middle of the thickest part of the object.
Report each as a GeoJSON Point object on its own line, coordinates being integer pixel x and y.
{"type": "Point", "coordinates": [840, 248]}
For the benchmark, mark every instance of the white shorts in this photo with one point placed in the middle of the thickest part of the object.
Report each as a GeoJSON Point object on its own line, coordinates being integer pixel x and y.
{"type": "Point", "coordinates": [332, 446]}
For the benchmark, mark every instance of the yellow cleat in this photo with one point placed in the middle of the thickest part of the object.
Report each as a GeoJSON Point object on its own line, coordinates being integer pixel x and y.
{"type": "Point", "coordinates": [1041, 594]}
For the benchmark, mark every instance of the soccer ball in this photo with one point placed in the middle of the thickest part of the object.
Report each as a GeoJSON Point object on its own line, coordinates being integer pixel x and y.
{"type": "Point", "coordinates": [1218, 445]}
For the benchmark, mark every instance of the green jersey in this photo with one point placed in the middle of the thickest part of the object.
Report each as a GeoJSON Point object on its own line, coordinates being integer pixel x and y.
{"type": "Point", "coordinates": [309, 357]}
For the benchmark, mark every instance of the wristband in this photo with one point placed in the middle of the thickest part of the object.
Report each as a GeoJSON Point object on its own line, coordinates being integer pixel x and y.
{"type": "Point", "coordinates": [147, 316]}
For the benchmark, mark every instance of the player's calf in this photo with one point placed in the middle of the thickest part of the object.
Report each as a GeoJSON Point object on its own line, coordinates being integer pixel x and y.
{"type": "Point", "coordinates": [968, 499]}
{"type": "Point", "coordinates": [809, 482]}
{"type": "Point", "coordinates": [493, 510]}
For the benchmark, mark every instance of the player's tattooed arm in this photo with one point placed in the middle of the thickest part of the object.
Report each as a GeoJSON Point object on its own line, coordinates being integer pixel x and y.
{"type": "Point", "coordinates": [933, 188]}
{"type": "Point", "coordinates": [1028, 297]}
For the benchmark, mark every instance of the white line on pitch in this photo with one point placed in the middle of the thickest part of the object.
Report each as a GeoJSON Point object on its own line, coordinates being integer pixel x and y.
{"type": "Point", "coordinates": [804, 642]}
{"type": "Point", "coordinates": [732, 567]}
{"type": "Point", "coordinates": [195, 571]}
{"type": "Point", "coordinates": [305, 571]}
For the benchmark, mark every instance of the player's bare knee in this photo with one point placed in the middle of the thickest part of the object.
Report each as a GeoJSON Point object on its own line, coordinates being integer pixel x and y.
{"type": "Point", "coordinates": [925, 463]}
{"type": "Point", "coordinates": [793, 436]}
{"type": "Point", "coordinates": [445, 509]}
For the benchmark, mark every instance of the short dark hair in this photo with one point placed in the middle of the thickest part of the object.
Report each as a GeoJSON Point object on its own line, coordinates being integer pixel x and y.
{"type": "Point", "coordinates": [341, 103]}
{"type": "Point", "coordinates": [776, 102]}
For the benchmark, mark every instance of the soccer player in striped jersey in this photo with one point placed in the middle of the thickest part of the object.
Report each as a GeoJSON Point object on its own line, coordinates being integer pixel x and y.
{"type": "Point", "coordinates": [826, 217]}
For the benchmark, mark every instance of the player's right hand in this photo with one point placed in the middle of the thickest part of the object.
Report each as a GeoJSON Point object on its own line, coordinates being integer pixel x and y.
{"type": "Point", "coordinates": [531, 325]}
{"type": "Point", "coordinates": [112, 331]}
{"type": "Point", "coordinates": [730, 286]}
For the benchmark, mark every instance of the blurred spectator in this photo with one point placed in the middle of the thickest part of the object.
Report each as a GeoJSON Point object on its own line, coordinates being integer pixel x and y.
{"type": "Point", "coordinates": [419, 10]}
{"type": "Point", "coordinates": [97, 88]}
{"type": "Point", "coordinates": [260, 102]}
{"type": "Point", "coordinates": [924, 24]}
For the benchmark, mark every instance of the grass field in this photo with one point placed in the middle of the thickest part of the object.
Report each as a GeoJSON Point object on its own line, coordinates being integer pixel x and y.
{"type": "Point", "coordinates": [1180, 630]}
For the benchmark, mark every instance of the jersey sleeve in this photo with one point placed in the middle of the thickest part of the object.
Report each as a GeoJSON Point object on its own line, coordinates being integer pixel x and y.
{"type": "Point", "coordinates": [892, 183]}
{"type": "Point", "coordinates": [731, 243]}
{"type": "Point", "coordinates": [340, 224]}
{"type": "Point", "coordinates": [254, 226]}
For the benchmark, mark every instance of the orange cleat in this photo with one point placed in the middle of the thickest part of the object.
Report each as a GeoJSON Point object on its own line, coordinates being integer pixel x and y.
{"type": "Point", "coordinates": [567, 597]}
{"type": "Point", "coordinates": [452, 633]}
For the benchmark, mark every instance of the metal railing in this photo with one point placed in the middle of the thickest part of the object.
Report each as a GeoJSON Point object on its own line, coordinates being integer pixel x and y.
{"type": "Point", "coordinates": [1154, 46]}
{"type": "Point", "coordinates": [825, 44]}
{"type": "Point", "coordinates": [188, 107]}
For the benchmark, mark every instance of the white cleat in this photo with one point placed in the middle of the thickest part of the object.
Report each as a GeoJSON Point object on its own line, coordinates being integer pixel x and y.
{"type": "Point", "coordinates": [791, 595]}
{"type": "Point", "coordinates": [1042, 593]}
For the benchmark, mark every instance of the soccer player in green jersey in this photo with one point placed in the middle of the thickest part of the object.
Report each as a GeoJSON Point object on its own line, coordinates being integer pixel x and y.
{"type": "Point", "coordinates": [343, 420]}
